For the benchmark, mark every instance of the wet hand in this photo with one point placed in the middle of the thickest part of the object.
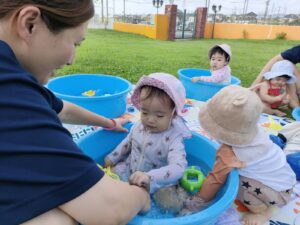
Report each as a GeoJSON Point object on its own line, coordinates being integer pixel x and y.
{"type": "Point", "coordinates": [107, 162]}
{"type": "Point", "coordinates": [140, 179]}
{"type": "Point", "coordinates": [195, 203]}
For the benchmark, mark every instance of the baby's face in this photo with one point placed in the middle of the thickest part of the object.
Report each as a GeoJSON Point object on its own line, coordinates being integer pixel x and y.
{"type": "Point", "coordinates": [278, 81]}
{"type": "Point", "coordinates": [217, 61]}
{"type": "Point", "coordinates": [156, 115]}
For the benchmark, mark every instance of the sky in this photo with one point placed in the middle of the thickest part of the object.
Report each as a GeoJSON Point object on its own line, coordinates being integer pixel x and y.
{"type": "Point", "coordinates": [228, 6]}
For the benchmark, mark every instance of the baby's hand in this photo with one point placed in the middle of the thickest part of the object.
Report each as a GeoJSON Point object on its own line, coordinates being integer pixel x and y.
{"type": "Point", "coordinates": [107, 163]}
{"type": "Point", "coordinates": [140, 179]}
{"type": "Point", "coordinates": [195, 79]}
{"type": "Point", "coordinates": [195, 203]}
{"type": "Point", "coordinates": [286, 99]}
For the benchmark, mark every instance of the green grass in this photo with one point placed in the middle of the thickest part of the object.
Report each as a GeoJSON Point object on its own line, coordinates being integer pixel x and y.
{"type": "Point", "coordinates": [130, 56]}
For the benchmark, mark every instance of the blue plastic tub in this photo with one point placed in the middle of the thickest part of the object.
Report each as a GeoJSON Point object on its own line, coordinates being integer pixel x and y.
{"type": "Point", "coordinates": [200, 90]}
{"type": "Point", "coordinates": [296, 113]}
{"type": "Point", "coordinates": [198, 148]}
{"type": "Point", "coordinates": [110, 97]}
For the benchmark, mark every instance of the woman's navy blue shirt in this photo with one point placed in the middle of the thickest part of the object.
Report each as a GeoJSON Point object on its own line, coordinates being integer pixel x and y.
{"type": "Point", "coordinates": [292, 54]}
{"type": "Point", "coordinates": [40, 165]}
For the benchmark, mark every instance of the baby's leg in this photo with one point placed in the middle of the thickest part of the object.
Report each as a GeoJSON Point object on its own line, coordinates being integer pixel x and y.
{"type": "Point", "coordinates": [293, 90]}
{"type": "Point", "coordinates": [258, 215]}
{"type": "Point", "coordinates": [267, 109]}
{"type": "Point", "coordinates": [54, 216]}
{"type": "Point", "coordinates": [260, 200]}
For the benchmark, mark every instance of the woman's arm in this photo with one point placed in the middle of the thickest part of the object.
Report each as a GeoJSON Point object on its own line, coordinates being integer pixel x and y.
{"type": "Point", "coordinates": [267, 68]}
{"type": "Point", "coordinates": [108, 202]}
{"type": "Point", "coordinates": [74, 114]}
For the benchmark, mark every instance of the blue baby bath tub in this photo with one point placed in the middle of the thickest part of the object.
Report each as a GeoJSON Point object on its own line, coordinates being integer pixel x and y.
{"type": "Point", "coordinates": [296, 113]}
{"type": "Point", "coordinates": [200, 90]}
{"type": "Point", "coordinates": [101, 142]}
{"type": "Point", "coordinates": [110, 92]}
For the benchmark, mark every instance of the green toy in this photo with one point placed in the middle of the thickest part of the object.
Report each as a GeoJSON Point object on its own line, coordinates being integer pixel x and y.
{"type": "Point", "coordinates": [192, 179]}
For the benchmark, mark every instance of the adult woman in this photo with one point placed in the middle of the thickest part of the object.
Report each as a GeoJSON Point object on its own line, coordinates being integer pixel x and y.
{"type": "Point", "coordinates": [293, 55]}
{"type": "Point", "coordinates": [45, 178]}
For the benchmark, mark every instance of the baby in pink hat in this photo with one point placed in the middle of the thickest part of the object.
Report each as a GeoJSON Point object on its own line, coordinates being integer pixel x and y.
{"type": "Point", "coordinates": [219, 57]}
{"type": "Point", "coordinates": [153, 154]}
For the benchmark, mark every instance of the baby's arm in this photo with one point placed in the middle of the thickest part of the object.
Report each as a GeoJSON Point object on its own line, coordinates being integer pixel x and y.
{"type": "Point", "coordinates": [173, 171]}
{"type": "Point", "coordinates": [195, 79]}
{"type": "Point", "coordinates": [225, 162]}
{"type": "Point", "coordinates": [121, 152]}
{"type": "Point", "coordinates": [217, 75]}
{"type": "Point", "coordinates": [265, 97]}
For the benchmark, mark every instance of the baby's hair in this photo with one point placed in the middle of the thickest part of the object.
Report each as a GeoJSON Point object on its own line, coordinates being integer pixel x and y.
{"type": "Point", "coordinates": [219, 50]}
{"type": "Point", "coordinates": [285, 76]}
{"type": "Point", "coordinates": [57, 14]}
{"type": "Point", "coordinates": [152, 92]}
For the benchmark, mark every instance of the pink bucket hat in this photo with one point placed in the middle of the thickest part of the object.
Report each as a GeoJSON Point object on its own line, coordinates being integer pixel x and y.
{"type": "Point", "coordinates": [231, 115]}
{"type": "Point", "coordinates": [166, 82]}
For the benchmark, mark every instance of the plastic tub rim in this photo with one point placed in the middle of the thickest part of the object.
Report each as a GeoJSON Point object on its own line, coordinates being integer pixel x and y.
{"type": "Point", "coordinates": [214, 211]}
{"type": "Point", "coordinates": [203, 82]}
{"type": "Point", "coordinates": [116, 95]}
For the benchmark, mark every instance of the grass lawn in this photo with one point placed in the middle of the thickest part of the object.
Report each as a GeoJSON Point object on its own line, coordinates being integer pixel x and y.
{"type": "Point", "coordinates": [130, 56]}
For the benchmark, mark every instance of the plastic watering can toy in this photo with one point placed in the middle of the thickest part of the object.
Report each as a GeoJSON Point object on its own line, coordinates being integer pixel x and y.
{"type": "Point", "coordinates": [192, 179]}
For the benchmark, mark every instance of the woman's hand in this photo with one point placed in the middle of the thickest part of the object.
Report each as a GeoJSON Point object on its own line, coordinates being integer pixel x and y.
{"type": "Point", "coordinates": [118, 125]}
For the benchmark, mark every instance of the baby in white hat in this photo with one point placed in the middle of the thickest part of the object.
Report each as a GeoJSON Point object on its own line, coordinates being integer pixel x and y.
{"type": "Point", "coordinates": [219, 57]}
{"type": "Point", "coordinates": [266, 179]}
{"type": "Point", "coordinates": [273, 89]}
{"type": "Point", "coordinates": [153, 154]}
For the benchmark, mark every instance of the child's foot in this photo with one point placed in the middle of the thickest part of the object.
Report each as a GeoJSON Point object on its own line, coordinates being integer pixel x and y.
{"type": "Point", "coordinates": [279, 113]}
{"type": "Point", "coordinates": [256, 218]}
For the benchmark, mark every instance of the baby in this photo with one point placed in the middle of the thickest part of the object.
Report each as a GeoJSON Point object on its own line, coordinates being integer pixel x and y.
{"type": "Point", "coordinates": [266, 179]}
{"type": "Point", "coordinates": [288, 139]}
{"type": "Point", "coordinates": [219, 57]}
{"type": "Point", "coordinates": [153, 154]}
{"type": "Point", "coordinates": [272, 90]}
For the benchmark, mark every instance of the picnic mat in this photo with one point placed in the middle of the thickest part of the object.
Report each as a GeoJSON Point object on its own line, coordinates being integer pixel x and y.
{"type": "Point", "coordinates": [286, 215]}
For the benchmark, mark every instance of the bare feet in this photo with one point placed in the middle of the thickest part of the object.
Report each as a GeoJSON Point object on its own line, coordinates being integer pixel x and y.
{"type": "Point", "coordinates": [278, 113]}
{"type": "Point", "coordinates": [257, 218]}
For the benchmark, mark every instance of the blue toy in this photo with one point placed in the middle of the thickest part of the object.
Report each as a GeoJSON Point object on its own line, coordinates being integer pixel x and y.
{"type": "Point", "coordinates": [294, 161]}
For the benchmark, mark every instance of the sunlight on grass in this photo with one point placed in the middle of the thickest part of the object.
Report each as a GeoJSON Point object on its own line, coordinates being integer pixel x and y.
{"type": "Point", "coordinates": [131, 56]}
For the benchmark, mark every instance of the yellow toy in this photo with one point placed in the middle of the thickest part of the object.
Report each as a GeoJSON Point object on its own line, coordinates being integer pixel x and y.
{"type": "Point", "coordinates": [108, 172]}
{"type": "Point", "coordinates": [273, 124]}
{"type": "Point", "coordinates": [89, 93]}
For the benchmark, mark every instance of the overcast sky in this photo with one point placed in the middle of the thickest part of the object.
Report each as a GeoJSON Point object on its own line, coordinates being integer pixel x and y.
{"type": "Point", "coordinates": [228, 6]}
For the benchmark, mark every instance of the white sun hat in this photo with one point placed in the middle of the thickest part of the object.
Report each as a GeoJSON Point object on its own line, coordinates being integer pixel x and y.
{"type": "Point", "coordinates": [280, 68]}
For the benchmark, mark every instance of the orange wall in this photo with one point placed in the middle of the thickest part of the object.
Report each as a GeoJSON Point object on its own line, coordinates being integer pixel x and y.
{"type": "Point", "coordinates": [157, 31]}
{"type": "Point", "coordinates": [235, 31]}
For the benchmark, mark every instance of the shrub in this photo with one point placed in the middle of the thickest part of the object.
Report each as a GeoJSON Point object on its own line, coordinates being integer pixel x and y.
{"type": "Point", "coordinates": [281, 36]}
{"type": "Point", "coordinates": [245, 34]}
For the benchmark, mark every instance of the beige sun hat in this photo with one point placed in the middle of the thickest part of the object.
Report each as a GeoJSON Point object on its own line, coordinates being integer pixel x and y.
{"type": "Point", "coordinates": [225, 47]}
{"type": "Point", "coordinates": [231, 116]}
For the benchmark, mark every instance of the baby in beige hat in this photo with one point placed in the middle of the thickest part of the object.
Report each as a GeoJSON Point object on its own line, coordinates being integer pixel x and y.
{"type": "Point", "coordinates": [219, 57]}
{"type": "Point", "coordinates": [266, 178]}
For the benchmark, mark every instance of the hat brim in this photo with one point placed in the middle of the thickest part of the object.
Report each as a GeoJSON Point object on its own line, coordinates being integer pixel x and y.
{"type": "Point", "coordinates": [269, 75]}
{"type": "Point", "coordinates": [218, 132]}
